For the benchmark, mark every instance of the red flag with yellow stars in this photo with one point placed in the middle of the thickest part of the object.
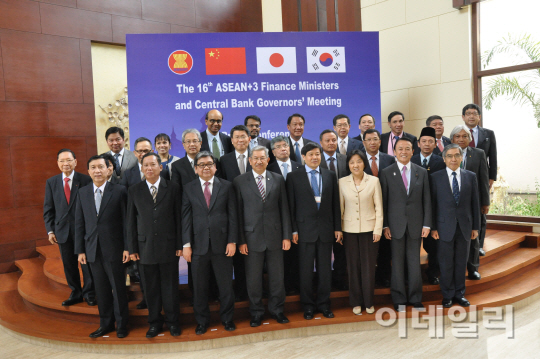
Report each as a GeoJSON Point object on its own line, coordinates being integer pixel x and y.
{"type": "Point", "coordinates": [225, 61]}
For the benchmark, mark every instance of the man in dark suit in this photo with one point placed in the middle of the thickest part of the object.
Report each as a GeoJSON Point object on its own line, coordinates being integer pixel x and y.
{"type": "Point", "coordinates": [396, 120]}
{"type": "Point", "coordinates": [378, 161]}
{"type": "Point", "coordinates": [336, 162]}
{"type": "Point", "coordinates": [316, 222]}
{"type": "Point", "coordinates": [483, 139]}
{"type": "Point", "coordinates": [431, 163]}
{"type": "Point", "coordinates": [209, 210]}
{"type": "Point", "coordinates": [124, 158]}
{"type": "Point", "coordinates": [61, 193]}
{"type": "Point", "coordinates": [111, 169]}
{"type": "Point", "coordinates": [456, 220]}
{"type": "Point", "coordinates": [101, 242]}
{"type": "Point", "coordinates": [253, 123]}
{"type": "Point", "coordinates": [283, 166]}
{"type": "Point", "coordinates": [233, 165]}
{"type": "Point", "coordinates": [442, 141]}
{"type": "Point", "coordinates": [265, 232]}
{"type": "Point", "coordinates": [342, 126]}
{"type": "Point", "coordinates": [407, 219]}
{"type": "Point", "coordinates": [213, 140]}
{"type": "Point", "coordinates": [295, 125]}
{"type": "Point", "coordinates": [155, 240]}
{"type": "Point", "coordinates": [135, 174]}
{"type": "Point", "coordinates": [474, 160]}
{"type": "Point", "coordinates": [366, 122]}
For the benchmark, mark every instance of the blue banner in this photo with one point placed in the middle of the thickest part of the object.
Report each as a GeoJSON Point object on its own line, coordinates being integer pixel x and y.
{"type": "Point", "coordinates": [174, 79]}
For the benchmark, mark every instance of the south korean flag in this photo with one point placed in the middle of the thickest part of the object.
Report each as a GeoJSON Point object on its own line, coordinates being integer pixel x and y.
{"type": "Point", "coordinates": [325, 59]}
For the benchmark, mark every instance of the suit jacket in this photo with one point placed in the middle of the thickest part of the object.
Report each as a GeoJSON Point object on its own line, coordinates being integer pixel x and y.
{"type": "Point", "coordinates": [353, 144]}
{"type": "Point", "coordinates": [274, 167]}
{"type": "Point", "coordinates": [114, 180]}
{"type": "Point", "coordinates": [213, 226]}
{"type": "Point", "coordinates": [341, 165]}
{"type": "Point", "coordinates": [155, 229]}
{"type": "Point", "coordinates": [404, 211]}
{"type": "Point", "coordinates": [169, 167]}
{"type": "Point", "coordinates": [487, 142]}
{"type": "Point", "coordinates": [225, 141]}
{"type": "Point", "coordinates": [445, 141]}
{"type": "Point", "coordinates": [182, 173]}
{"type": "Point", "coordinates": [476, 162]}
{"type": "Point", "coordinates": [292, 154]}
{"type": "Point", "coordinates": [435, 164]}
{"type": "Point", "coordinates": [59, 216]}
{"type": "Point", "coordinates": [446, 213]}
{"type": "Point", "coordinates": [385, 137]}
{"type": "Point", "coordinates": [262, 224]}
{"type": "Point", "coordinates": [129, 161]}
{"type": "Point", "coordinates": [309, 221]}
{"type": "Point", "coordinates": [131, 177]}
{"type": "Point", "coordinates": [229, 166]}
{"type": "Point", "coordinates": [384, 161]}
{"type": "Point", "coordinates": [361, 209]}
{"type": "Point", "coordinates": [108, 228]}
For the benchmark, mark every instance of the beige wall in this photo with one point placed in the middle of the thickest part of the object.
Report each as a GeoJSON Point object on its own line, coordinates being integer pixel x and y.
{"type": "Point", "coordinates": [271, 15]}
{"type": "Point", "coordinates": [110, 78]}
{"type": "Point", "coordinates": [425, 59]}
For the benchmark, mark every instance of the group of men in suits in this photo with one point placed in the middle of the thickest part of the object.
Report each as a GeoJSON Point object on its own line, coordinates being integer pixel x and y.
{"type": "Point", "coordinates": [234, 204]}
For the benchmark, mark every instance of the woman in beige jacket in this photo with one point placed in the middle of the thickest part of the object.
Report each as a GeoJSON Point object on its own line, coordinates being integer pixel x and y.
{"type": "Point", "coordinates": [362, 222]}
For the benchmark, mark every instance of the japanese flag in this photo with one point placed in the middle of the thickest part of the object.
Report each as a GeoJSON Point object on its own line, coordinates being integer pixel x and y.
{"type": "Point", "coordinates": [276, 60]}
{"type": "Point", "coordinates": [325, 59]}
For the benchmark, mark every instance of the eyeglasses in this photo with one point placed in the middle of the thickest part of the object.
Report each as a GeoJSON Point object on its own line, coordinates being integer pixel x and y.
{"type": "Point", "coordinates": [472, 114]}
{"type": "Point", "coordinates": [65, 161]}
{"type": "Point", "coordinates": [213, 122]}
{"type": "Point", "coordinates": [457, 156]}
{"type": "Point", "coordinates": [205, 165]}
{"type": "Point", "coordinates": [143, 151]}
{"type": "Point", "coordinates": [194, 142]}
{"type": "Point", "coordinates": [372, 140]}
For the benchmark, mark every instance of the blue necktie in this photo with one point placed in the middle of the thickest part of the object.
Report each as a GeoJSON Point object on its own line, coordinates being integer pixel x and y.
{"type": "Point", "coordinates": [297, 151]}
{"type": "Point", "coordinates": [455, 188]}
{"type": "Point", "coordinates": [315, 185]}
{"type": "Point", "coordinates": [118, 169]}
{"type": "Point", "coordinates": [285, 169]}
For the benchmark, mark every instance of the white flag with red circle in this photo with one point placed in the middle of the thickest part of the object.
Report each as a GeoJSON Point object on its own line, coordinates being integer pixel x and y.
{"type": "Point", "coordinates": [276, 60]}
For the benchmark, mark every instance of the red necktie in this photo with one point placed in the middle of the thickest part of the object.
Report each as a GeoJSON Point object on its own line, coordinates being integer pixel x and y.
{"type": "Point", "coordinates": [67, 190]}
{"type": "Point", "coordinates": [472, 144]}
{"type": "Point", "coordinates": [374, 169]}
{"type": "Point", "coordinates": [207, 193]}
{"type": "Point", "coordinates": [439, 144]}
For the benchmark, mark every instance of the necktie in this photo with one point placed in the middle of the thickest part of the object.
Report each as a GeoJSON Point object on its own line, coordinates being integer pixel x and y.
{"type": "Point", "coordinates": [374, 168]}
{"type": "Point", "coordinates": [193, 165]}
{"type": "Point", "coordinates": [297, 151]}
{"type": "Point", "coordinates": [98, 200]}
{"type": "Point", "coordinates": [207, 193]}
{"type": "Point", "coordinates": [315, 185]}
{"type": "Point", "coordinates": [472, 144]}
{"type": "Point", "coordinates": [342, 148]}
{"type": "Point", "coordinates": [455, 187]}
{"type": "Point", "coordinates": [424, 163]}
{"type": "Point", "coordinates": [439, 144]}
{"type": "Point", "coordinates": [332, 166]}
{"type": "Point", "coordinates": [153, 190]}
{"type": "Point", "coordinates": [67, 190]}
{"type": "Point", "coordinates": [241, 165]}
{"type": "Point", "coordinates": [261, 187]}
{"type": "Point", "coordinates": [142, 176]}
{"type": "Point", "coordinates": [215, 149]}
{"type": "Point", "coordinates": [285, 169]}
{"type": "Point", "coordinates": [118, 169]}
{"type": "Point", "coordinates": [404, 176]}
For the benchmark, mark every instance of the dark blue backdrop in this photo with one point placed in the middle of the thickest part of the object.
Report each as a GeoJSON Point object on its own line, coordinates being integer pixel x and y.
{"type": "Point", "coordinates": [154, 94]}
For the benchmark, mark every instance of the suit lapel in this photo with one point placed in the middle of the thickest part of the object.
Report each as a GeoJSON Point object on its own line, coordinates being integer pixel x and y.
{"type": "Point", "coordinates": [215, 192]}
{"type": "Point", "coordinates": [414, 178]}
{"type": "Point", "coordinates": [106, 197]}
{"type": "Point", "coordinates": [253, 184]}
{"type": "Point", "coordinates": [74, 189]}
{"type": "Point", "coordinates": [162, 191]}
{"type": "Point", "coordinates": [398, 178]}
{"type": "Point", "coordinates": [481, 136]}
{"type": "Point", "coordinates": [269, 183]}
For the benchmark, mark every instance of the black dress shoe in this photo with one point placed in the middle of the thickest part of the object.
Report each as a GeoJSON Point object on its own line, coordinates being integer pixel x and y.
{"type": "Point", "coordinates": [280, 318]}
{"type": "Point", "coordinates": [433, 280]}
{"type": "Point", "coordinates": [397, 307]}
{"type": "Point", "coordinates": [175, 330]}
{"type": "Point", "coordinates": [101, 332]}
{"type": "Point", "coordinates": [474, 276]}
{"type": "Point", "coordinates": [121, 332]}
{"type": "Point", "coordinates": [308, 314]}
{"type": "Point", "coordinates": [327, 313]}
{"type": "Point", "coordinates": [153, 332]}
{"type": "Point", "coordinates": [418, 305]}
{"type": "Point", "coordinates": [201, 329]}
{"type": "Point", "coordinates": [481, 252]}
{"type": "Point", "coordinates": [462, 301]}
{"type": "Point", "coordinates": [91, 301]}
{"type": "Point", "coordinates": [255, 321]}
{"type": "Point", "coordinates": [71, 301]}
{"type": "Point", "coordinates": [447, 303]}
{"type": "Point", "coordinates": [229, 326]}
{"type": "Point", "coordinates": [142, 305]}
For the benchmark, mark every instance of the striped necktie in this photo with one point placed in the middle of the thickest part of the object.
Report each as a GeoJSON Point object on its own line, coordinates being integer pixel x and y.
{"type": "Point", "coordinates": [154, 192]}
{"type": "Point", "coordinates": [261, 187]}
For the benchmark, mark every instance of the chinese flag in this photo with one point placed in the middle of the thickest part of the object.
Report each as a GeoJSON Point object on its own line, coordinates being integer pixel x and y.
{"type": "Point", "coordinates": [225, 61]}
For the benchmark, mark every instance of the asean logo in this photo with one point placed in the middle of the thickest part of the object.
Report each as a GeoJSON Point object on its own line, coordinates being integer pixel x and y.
{"type": "Point", "coordinates": [180, 62]}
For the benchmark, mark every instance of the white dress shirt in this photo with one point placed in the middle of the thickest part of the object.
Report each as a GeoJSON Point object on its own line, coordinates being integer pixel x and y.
{"type": "Point", "coordinates": [451, 177]}
{"type": "Point", "coordinates": [120, 158]}
{"type": "Point", "coordinates": [211, 141]}
{"type": "Point", "coordinates": [289, 166]}
{"type": "Point", "coordinates": [345, 142]}
{"type": "Point", "coordinates": [245, 159]}
{"type": "Point", "coordinates": [407, 173]}
{"type": "Point", "coordinates": [102, 188]}
{"type": "Point", "coordinates": [255, 174]}
{"type": "Point", "coordinates": [155, 184]}
{"type": "Point", "coordinates": [70, 182]}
